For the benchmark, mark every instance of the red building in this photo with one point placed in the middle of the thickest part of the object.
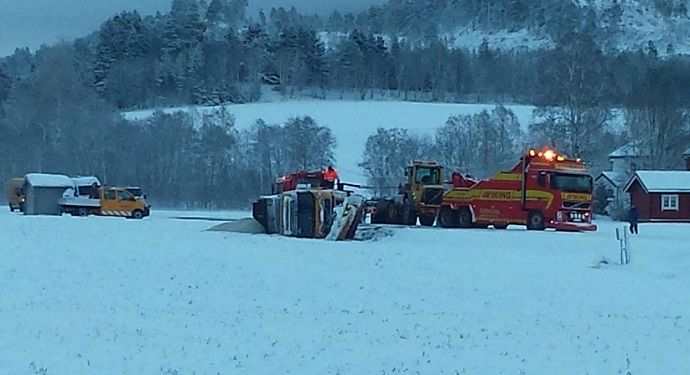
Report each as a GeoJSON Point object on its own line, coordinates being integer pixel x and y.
{"type": "Point", "coordinates": [661, 195]}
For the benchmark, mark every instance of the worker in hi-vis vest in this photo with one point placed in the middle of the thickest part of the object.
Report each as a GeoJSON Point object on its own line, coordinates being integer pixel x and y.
{"type": "Point", "coordinates": [331, 176]}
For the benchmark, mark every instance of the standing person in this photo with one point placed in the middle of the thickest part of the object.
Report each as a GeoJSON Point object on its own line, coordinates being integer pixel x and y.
{"type": "Point", "coordinates": [331, 176]}
{"type": "Point", "coordinates": [633, 218]}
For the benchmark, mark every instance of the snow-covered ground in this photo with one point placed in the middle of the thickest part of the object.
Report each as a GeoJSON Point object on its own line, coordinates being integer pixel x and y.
{"type": "Point", "coordinates": [352, 121]}
{"type": "Point", "coordinates": [162, 296]}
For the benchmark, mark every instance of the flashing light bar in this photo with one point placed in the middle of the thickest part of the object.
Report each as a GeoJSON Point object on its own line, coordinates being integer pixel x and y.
{"type": "Point", "coordinates": [551, 155]}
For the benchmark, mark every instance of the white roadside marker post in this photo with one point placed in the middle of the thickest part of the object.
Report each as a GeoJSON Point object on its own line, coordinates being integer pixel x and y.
{"type": "Point", "coordinates": [622, 237]}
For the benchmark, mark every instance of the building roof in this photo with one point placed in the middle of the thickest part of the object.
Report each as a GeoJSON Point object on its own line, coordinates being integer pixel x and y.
{"type": "Point", "coordinates": [615, 178]}
{"type": "Point", "coordinates": [662, 181]}
{"type": "Point", "coordinates": [48, 180]}
{"type": "Point", "coordinates": [630, 150]}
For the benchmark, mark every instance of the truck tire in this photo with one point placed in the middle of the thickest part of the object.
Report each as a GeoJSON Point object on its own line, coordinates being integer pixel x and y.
{"type": "Point", "coordinates": [83, 212]}
{"type": "Point", "coordinates": [427, 220]}
{"type": "Point", "coordinates": [535, 221]}
{"type": "Point", "coordinates": [137, 214]}
{"type": "Point", "coordinates": [465, 218]}
{"type": "Point", "coordinates": [448, 218]}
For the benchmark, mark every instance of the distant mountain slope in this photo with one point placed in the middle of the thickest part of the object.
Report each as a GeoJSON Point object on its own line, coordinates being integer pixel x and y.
{"type": "Point", "coordinates": [521, 25]}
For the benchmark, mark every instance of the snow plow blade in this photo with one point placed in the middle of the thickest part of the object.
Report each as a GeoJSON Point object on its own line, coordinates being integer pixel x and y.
{"type": "Point", "coordinates": [565, 226]}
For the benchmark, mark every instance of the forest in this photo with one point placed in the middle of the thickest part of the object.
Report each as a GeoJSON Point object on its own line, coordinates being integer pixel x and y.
{"type": "Point", "coordinates": [61, 106]}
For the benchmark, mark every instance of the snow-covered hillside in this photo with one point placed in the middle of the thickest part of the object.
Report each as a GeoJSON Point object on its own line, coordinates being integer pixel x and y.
{"type": "Point", "coordinates": [353, 121]}
{"type": "Point", "coordinates": [640, 24]}
{"type": "Point", "coordinates": [161, 296]}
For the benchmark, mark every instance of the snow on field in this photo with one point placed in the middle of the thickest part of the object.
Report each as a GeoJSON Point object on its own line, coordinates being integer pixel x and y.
{"type": "Point", "coordinates": [162, 296]}
{"type": "Point", "coordinates": [353, 121]}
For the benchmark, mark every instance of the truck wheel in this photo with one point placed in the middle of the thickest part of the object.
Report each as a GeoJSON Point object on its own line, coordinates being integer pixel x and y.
{"type": "Point", "coordinates": [448, 218]}
{"type": "Point", "coordinates": [137, 214]}
{"type": "Point", "coordinates": [535, 221]}
{"type": "Point", "coordinates": [465, 218]}
{"type": "Point", "coordinates": [427, 220]}
{"type": "Point", "coordinates": [83, 212]}
{"type": "Point", "coordinates": [501, 226]}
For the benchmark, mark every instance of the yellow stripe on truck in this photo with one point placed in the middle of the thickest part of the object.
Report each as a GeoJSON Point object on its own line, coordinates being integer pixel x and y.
{"type": "Point", "coordinates": [499, 195]}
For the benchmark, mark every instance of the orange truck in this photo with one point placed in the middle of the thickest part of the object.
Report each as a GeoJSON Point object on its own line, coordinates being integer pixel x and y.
{"type": "Point", "coordinates": [110, 201]}
{"type": "Point", "coordinates": [544, 190]}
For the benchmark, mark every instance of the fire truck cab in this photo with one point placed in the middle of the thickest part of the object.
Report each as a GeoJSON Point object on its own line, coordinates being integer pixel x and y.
{"type": "Point", "coordinates": [544, 190]}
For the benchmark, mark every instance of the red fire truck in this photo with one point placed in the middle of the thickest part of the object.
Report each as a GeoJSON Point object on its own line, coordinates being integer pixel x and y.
{"type": "Point", "coordinates": [544, 190]}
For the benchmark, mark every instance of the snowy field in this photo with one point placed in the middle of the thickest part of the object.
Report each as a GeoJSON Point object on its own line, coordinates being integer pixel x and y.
{"type": "Point", "coordinates": [162, 296]}
{"type": "Point", "coordinates": [352, 122]}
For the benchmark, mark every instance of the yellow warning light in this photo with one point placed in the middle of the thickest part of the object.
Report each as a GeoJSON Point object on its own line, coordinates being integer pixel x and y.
{"type": "Point", "coordinates": [532, 152]}
{"type": "Point", "coordinates": [578, 160]}
{"type": "Point", "coordinates": [541, 154]}
{"type": "Point", "coordinates": [550, 155]}
{"type": "Point", "coordinates": [560, 158]}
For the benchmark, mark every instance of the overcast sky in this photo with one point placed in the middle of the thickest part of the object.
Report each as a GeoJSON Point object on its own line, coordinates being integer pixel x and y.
{"type": "Point", "coordinates": [34, 22]}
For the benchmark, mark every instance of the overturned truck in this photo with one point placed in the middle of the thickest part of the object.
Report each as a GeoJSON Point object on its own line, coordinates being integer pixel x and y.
{"type": "Point", "coordinates": [308, 212]}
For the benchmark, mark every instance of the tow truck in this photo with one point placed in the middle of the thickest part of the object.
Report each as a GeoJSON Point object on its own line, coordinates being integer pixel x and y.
{"type": "Point", "coordinates": [544, 190]}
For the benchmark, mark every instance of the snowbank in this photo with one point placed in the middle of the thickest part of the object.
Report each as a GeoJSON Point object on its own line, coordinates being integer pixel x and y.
{"type": "Point", "coordinates": [240, 226]}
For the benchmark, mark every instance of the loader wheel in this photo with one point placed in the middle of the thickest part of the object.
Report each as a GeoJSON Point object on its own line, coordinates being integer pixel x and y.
{"type": "Point", "coordinates": [409, 214]}
{"type": "Point", "coordinates": [391, 213]}
{"type": "Point", "coordinates": [427, 220]}
{"type": "Point", "coordinates": [379, 216]}
{"type": "Point", "coordinates": [137, 214]}
{"type": "Point", "coordinates": [465, 218]}
{"type": "Point", "coordinates": [535, 221]}
{"type": "Point", "coordinates": [448, 218]}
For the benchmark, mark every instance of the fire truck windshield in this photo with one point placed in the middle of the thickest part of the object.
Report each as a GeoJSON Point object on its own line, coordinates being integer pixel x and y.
{"type": "Point", "coordinates": [571, 183]}
{"type": "Point", "coordinates": [427, 175]}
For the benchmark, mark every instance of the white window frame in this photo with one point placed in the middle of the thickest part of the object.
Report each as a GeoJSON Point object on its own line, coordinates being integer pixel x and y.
{"type": "Point", "coordinates": [673, 202]}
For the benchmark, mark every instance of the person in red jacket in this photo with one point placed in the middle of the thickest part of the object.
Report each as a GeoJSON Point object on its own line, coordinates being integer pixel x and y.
{"type": "Point", "coordinates": [331, 176]}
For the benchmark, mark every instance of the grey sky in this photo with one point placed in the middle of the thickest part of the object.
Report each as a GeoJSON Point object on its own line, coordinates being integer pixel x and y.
{"type": "Point", "coordinates": [34, 22]}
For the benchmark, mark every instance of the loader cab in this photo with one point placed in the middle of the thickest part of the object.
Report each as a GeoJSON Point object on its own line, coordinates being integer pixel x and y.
{"type": "Point", "coordinates": [425, 182]}
{"type": "Point", "coordinates": [424, 174]}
